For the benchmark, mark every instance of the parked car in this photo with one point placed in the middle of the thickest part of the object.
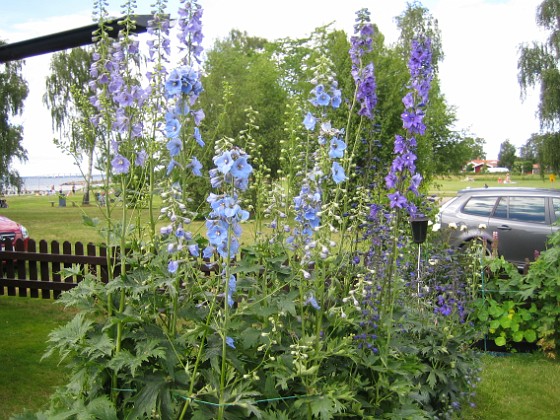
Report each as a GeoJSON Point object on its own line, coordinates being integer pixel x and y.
{"type": "Point", "coordinates": [522, 217]}
{"type": "Point", "coordinates": [12, 231]}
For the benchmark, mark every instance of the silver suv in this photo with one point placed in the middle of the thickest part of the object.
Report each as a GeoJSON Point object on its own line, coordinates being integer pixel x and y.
{"type": "Point", "coordinates": [522, 218]}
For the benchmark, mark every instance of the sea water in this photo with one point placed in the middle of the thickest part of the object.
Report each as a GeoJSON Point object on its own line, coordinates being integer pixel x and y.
{"type": "Point", "coordinates": [54, 183]}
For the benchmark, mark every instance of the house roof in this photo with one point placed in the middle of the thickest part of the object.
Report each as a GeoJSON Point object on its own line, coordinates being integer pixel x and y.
{"type": "Point", "coordinates": [480, 162]}
{"type": "Point", "coordinates": [62, 40]}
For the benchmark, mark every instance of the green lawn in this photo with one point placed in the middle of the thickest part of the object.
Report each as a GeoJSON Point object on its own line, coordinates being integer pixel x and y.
{"type": "Point", "coordinates": [26, 381]}
{"type": "Point", "coordinates": [448, 186]}
{"type": "Point", "coordinates": [522, 386]}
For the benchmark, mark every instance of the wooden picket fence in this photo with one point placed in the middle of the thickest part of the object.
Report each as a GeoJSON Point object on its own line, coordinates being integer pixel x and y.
{"type": "Point", "coordinates": [36, 271]}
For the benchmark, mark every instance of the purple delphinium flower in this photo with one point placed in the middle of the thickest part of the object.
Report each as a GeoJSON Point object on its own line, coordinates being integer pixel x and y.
{"type": "Point", "coordinates": [140, 158]}
{"type": "Point", "coordinates": [397, 200]}
{"type": "Point", "coordinates": [190, 28]}
{"type": "Point", "coordinates": [364, 76]}
{"type": "Point", "coordinates": [120, 164]}
{"type": "Point", "coordinates": [403, 176]}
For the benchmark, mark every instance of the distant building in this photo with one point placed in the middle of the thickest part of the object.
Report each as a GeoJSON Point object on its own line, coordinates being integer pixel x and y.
{"type": "Point", "coordinates": [479, 165]}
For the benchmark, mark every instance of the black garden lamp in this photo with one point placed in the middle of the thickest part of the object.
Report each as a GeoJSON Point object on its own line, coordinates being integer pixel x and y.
{"type": "Point", "coordinates": [419, 226]}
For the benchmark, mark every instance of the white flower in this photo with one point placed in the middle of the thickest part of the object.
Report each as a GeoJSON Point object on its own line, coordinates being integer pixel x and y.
{"type": "Point", "coordinates": [482, 226]}
{"type": "Point", "coordinates": [433, 261]}
{"type": "Point", "coordinates": [436, 227]}
{"type": "Point", "coordinates": [463, 228]}
{"type": "Point", "coordinates": [452, 225]}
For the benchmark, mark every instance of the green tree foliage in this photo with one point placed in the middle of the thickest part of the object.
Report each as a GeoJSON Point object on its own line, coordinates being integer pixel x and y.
{"type": "Point", "coordinates": [548, 155]}
{"type": "Point", "coordinates": [456, 151]}
{"type": "Point", "coordinates": [67, 97]}
{"type": "Point", "coordinates": [13, 91]}
{"type": "Point", "coordinates": [507, 155]}
{"type": "Point", "coordinates": [538, 65]}
{"type": "Point", "coordinates": [244, 72]}
{"type": "Point", "coordinates": [530, 153]}
{"type": "Point", "coordinates": [245, 66]}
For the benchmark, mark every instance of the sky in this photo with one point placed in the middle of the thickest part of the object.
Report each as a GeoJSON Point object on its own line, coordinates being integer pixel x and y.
{"type": "Point", "coordinates": [478, 75]}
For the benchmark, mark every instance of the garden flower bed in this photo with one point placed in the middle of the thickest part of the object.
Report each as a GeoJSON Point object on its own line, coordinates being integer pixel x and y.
{"type": "Point", "coordinates": [326, 315]}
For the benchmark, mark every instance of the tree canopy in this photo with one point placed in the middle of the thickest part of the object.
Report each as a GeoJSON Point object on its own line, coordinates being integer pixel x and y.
{"type": "Point", "coordinates": [67, 97]}
{"type": "Point", "coordinates": [13, 91]}
{"type": "Point", "coordinates": [507, 155]}
{"type": "Point", "coordinates": [538, 65]}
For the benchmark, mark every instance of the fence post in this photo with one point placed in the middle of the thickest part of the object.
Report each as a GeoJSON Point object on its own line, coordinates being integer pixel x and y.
{"type": "Point", "coordinates": [33, 275]}
{"type": "Point", "coordinates": [55, 267]}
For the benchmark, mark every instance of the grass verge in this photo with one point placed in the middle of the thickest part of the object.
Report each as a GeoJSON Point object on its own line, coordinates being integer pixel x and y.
{"type": "Point", "coordinates": [27, 381]}
{"type": "Point", "coordinates": [516, 387]}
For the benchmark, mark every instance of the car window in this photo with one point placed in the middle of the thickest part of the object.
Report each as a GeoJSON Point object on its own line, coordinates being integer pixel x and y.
{"type": "Point", "coordinates": [556, 207]}
{"type": "Point", "coordinates": [502, 208]}
{"type": "Point", "coordinates": [527, 209]}
{"type": "Point", "coordinates": [480, 206]}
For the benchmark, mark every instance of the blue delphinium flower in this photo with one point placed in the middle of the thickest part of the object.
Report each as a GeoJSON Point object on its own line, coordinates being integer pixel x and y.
{"type": "Point", "coordinates": [173, 266]}
{"type": "Point", "coordinates": [223, 162]}
{"type": "Point", "coordinates": [182, 89]}
{"type": "Point", "coordinates": [174, 146]}
{"type": "Point", "coordinates": [230, 342]}
{"type": "Point", "coordinates": [172, 127]}
{"type": "Point", "coordinates": [337, 148]}
{"type": "Point", "coordinates": [338, 175]}
{"type": "Point", "coordinates": [312, 302]}
{"type": "Point", "coordinates": [198, 137]}
{"type": "Point", "coordinates": [309, 121]}
{"type": "Point", "coordinates": [232, 287]}
{"type": "Point", "coordinates": [195, 166]}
